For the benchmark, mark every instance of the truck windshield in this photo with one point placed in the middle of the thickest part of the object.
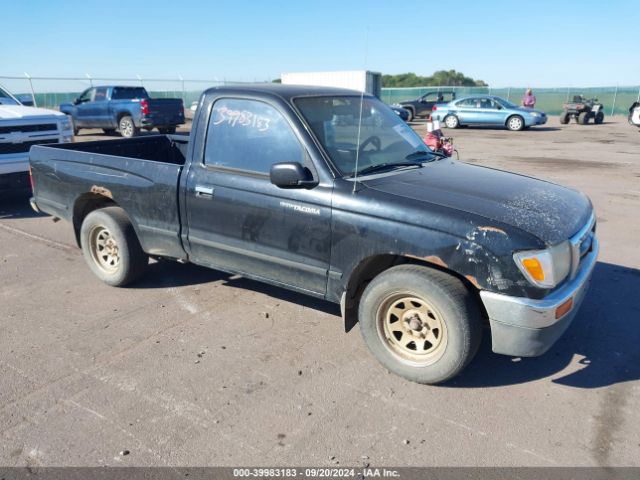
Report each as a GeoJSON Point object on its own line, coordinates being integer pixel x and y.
{"type": "Point", "coordinates": [128, 93]}
{"type": "Point", "coordinates": [385, 140]}
{"type": "Point", "coordinates": [6, 99]}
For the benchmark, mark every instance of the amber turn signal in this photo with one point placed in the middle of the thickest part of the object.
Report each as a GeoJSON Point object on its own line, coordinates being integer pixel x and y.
{"type": "Point", "coordinates": [533, 266]}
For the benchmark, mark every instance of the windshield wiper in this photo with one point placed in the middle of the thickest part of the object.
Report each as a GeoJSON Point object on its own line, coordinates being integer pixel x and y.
{"type": "Point", "coordinates": [418, 154]}
{"type": "Point", "coordinates": [424, 153]}
{"type": "Point", "coordinates": [381, 167]}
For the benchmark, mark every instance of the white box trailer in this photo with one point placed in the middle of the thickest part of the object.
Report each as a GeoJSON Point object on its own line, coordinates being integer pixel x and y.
{"type": "Point", "coordinates": [360, 80]}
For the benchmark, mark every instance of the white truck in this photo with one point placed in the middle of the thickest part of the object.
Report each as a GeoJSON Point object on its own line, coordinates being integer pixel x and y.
{"type": "Point", "coordinates": [20, 128]}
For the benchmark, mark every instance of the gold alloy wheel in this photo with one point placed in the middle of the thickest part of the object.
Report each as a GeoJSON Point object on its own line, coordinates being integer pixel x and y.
{"type": "Point", "coordinates": [104, 249]}
{"type": "Point", "coordinates": [412, 329]}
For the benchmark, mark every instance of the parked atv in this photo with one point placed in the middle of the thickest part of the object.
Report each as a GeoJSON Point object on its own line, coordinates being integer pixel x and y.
{"type": "Point", "coordinates": [583, 110]}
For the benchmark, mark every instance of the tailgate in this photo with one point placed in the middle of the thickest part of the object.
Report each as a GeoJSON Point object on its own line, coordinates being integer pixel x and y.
{"type": "Point", "coordinates": [165, 111]}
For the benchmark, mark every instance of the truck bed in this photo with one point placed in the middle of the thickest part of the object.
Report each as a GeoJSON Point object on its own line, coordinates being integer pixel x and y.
{"type": "Point", "coordinates": [139, 174]}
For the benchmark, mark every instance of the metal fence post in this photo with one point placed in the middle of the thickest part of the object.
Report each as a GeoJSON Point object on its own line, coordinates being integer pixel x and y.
{"type": "Point", "coordinates": [638, 99]}
{"type": "Point", "coordinates": [508, 93]}
{"type": "Point", "coordinates": [33, 92]}
{"type": "Point", "coordinates": [615, 95]}
{"type": "Point", "coordinates": [90, 79]}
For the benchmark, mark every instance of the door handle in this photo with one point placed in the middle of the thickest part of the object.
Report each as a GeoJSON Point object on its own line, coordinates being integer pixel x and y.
{"type": "Point", "coordinates": [204, 192]}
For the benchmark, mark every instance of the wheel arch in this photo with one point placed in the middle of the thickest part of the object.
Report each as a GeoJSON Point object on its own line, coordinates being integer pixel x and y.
{"type": "Point", "coordinates": [506, 122]}
{"type": "Point", "coordinates": [87, 203]}
{"type": "Point", "coordinates": [374, 265]}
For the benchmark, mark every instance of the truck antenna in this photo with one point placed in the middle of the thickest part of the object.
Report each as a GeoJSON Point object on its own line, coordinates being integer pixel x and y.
{"type": "Point", "coordinates": [366, 48]}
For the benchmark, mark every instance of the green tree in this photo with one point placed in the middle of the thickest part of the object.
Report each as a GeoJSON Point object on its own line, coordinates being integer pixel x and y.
{"type": "Point", "coordinates": [449, 78]}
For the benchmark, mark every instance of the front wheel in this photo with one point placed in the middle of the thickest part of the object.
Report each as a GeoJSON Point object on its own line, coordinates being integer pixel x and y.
{"type": "Point", "coordinates": [515, 123]}
{"type": "Point", "coordinates": [564, 118]}
{"type": "Point", "coordinates": [583, 118]}
{"type": "Point", "coordinates": [410, 117]}
{"type": "Point", "coordinates": [111, 247]}
{"type": "Point", "coordinates": [127, 128]}
{"type": "Point", "coordinates": [420, 323]}
{"type": "Point", "coordinates": [599, 118]}
{"type": "Point", "coordinates": [451, 121]}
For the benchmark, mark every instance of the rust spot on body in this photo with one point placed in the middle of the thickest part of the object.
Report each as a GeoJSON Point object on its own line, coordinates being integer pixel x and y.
{"type": "Point", "coordinates": [431, 259]}
{"type": "Point", "coordinates": [473, 280]}
{"type": "Point", "coordinates": [105, 192]}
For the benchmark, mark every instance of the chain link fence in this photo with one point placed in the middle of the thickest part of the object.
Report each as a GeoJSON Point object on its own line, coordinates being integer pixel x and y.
{"type": "Point", "coordinates": [50, 92]}
{"type": "Point", "coordinates": [616, 100]}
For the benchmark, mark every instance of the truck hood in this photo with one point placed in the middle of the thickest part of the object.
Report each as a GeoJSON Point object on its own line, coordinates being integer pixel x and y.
{"type": "Point", "coordinates": [548, 211]}
{"type": "Point", "coordinates": [20, 112]}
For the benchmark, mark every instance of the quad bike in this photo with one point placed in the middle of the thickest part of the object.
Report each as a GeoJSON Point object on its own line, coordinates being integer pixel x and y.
{"type": "Point", "coordinates": [583, 110]}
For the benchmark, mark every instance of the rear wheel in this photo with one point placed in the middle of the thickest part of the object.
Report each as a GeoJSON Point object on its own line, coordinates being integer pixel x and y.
{"type": "Point", "coordinates": [515, 123]}
{"type": "Point", "coordinates": [451, 121]}
{"type": "Point", "coordinates": [599, 118]}
{"type": "Point", "coordinates": [167, 130]}
{"type": "Point", "coordinates": [127, 128]}
{"type": "Point", "coordinates": [564, 118]}
{"type": "Point", "coordinates": [109, 131]}
{"type": "Point", "coordinates": [583, 118]}
{"type": "Point", "coordinates": [111, 247]}
{"type": "Point", "coordinates": [420, 323]}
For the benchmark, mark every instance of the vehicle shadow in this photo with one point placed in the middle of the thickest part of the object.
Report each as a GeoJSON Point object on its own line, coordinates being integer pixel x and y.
{"type": "Point", "coordinates": [603, 338]}
{"type": "Point", "coordinates": [14, 205]}
{"type": "Point", "coordinates": [165, 274]}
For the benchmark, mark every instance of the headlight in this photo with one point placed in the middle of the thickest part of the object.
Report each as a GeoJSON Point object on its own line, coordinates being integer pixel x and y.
{"type": "Point", "coordinates": [65, 124]}
{"type": "Point", "coordinates": [534, 114]}
{"type": "Point", "coordinates": [545, 268]}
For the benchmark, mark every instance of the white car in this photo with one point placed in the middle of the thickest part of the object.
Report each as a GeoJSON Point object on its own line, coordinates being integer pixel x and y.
{"type": "Point", "coordinates": [634, 114]}
{"type": "Point", "coordinates": [20, 128]}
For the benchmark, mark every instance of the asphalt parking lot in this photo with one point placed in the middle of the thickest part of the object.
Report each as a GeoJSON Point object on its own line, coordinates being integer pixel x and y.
{"type": "Point", "coordinates": [193, 367]}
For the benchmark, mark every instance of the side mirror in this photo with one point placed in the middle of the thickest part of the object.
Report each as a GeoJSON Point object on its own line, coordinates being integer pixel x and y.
{"type": "Point", "coordinates": [498, 106]}
{"type": "Point", "coordinates": [76, 101]}
{"type": "Point", "coordinates": [291, 175]}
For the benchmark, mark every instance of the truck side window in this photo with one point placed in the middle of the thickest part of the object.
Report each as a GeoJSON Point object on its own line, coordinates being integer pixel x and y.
{"type": "Point", "coordinates": [249, 135]}
{"type": "Point", "coordinates": [101, 94]}
{"type": "Point", "coordinates": [87, 95]}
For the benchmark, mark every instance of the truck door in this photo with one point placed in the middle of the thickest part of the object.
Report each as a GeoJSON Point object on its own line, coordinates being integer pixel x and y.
{"type": "Point", "coordinates": [99, 110]}
{"type": "Point", "coordinates": [83, 108]}
{"type": "Point", "coordinates": [237, 219]}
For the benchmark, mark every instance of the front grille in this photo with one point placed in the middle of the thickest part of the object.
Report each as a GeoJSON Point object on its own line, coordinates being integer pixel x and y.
{"type": "Point", "coordinates": [6, 148]}
{"type": "Point", "coordinates": [43, 127]}
{"type": "Point", "coordinates": [581, 244]}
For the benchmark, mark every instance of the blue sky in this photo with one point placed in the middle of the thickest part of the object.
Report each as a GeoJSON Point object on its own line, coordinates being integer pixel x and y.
{"type": "Point", "coordinates": [505, 43]}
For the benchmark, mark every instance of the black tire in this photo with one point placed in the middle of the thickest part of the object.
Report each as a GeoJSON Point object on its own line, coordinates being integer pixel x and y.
{"type": "Point", "coordinates": [167, 130]}
{"type": "Point", "coordinates": [599, 118]}
{"type": "Point", "coordinates": [411, 115]}
{"type": "Point", "coordinates": [583, 118]}
{"type": "Point", "coordinates": [515, 123]}
{"type": "Point", "coordinates": [127, 128]}
{"type": "Point", "coordinates": [109, 131]}
{"type": "Point", "coordinates": [446, 349]}
{"type": "Point", "coordinates": [451, 121]}
{"type": "Point", "coordinates": [564, 118]}
{"type": "Point", "coordinates": [111, 247]}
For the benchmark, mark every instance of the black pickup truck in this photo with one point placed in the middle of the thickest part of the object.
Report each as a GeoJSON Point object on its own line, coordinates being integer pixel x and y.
{"type": "Point", "coordinates": [422, 251]}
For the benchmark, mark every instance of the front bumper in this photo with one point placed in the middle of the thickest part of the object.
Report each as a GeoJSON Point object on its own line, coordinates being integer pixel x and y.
{"type": "Point", "coordinates": [523, 327]}
{"type": "Point", "coordinates": [541, 120]}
